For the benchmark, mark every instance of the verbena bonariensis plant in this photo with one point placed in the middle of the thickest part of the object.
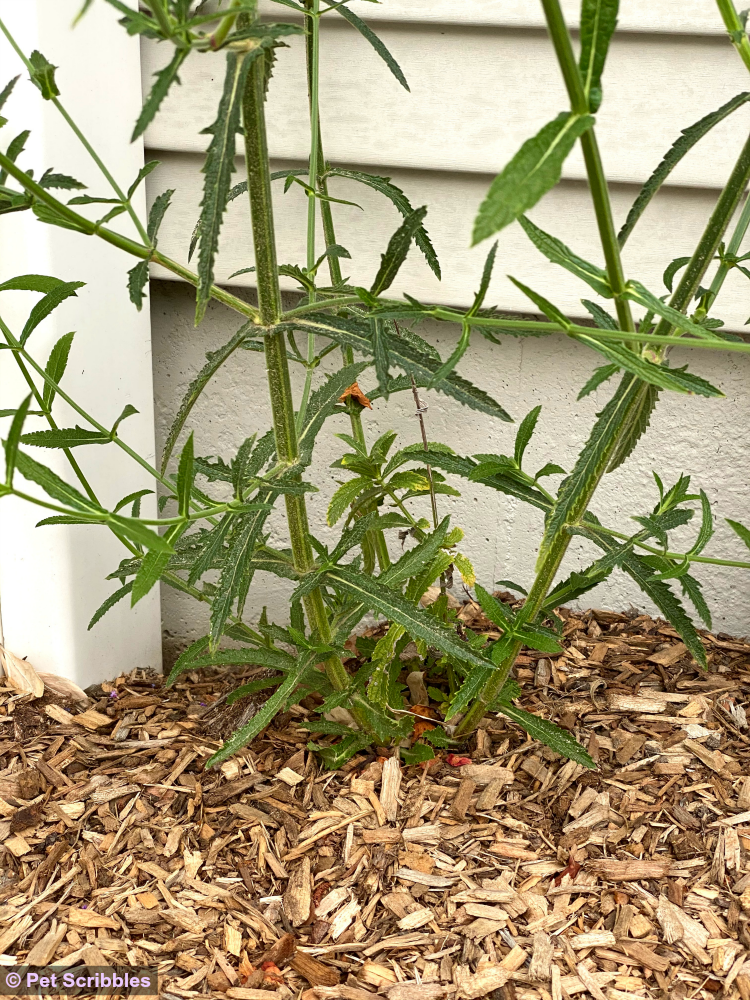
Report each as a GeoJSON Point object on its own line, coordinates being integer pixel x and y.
{"type": "Point", "coordinates": [225, 540]}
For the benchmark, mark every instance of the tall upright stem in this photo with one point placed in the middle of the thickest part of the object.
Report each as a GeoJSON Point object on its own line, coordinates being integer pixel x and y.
{"type": "Point", "coordinates": [594, 169]}
{"type": "Point", "coordinates": [279, 385]}
{"type": "Point", "coordinates": [312, 42]}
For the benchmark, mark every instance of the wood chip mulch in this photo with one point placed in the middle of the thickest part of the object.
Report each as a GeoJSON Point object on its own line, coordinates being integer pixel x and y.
{"type": "Point", "coordinates": [509, 873]}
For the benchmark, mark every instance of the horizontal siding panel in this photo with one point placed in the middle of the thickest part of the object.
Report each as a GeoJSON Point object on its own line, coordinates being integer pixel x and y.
{"type": "Point", "coordinates": [668, 16]}
{"type": "Point", "coordinates": [670, 228]}
{"type": "Point", "coordinates": [476, 95]}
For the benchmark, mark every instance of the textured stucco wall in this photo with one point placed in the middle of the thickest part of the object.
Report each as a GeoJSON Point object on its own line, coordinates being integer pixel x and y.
{"type": "Point", "coordinates": [706, 438]}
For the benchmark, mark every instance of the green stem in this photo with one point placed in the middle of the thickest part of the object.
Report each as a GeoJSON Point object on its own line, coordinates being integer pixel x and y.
{"type": "Point", "coordinates": [312, 48]}
{"type": "Point", "coordinates": [279, 385]}
{"type": "Point", "coordinates": [225, 26]}
{"type": "Point", "coordinates": [737, 33]}
{"type": "Point", "coordinates": [706, 250]}
{"type": "Point", "coordinates": [725, 267]}
{"type": "Point", "coordinates": [83, 140]}
{"type": "Point", "coordinates": [595, 172]}
{"type": "Point", "coordinates": [89, 228]}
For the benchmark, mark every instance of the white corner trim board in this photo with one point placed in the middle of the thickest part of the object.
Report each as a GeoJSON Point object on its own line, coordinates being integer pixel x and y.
{"type": "Point", "coordinates": [52, 579]}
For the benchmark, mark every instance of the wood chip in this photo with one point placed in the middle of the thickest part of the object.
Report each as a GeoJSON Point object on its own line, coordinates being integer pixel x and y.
{"type": "Point", "coordinates": [389, 788]}
{"type": "Point", "coordinates": [298, 895]}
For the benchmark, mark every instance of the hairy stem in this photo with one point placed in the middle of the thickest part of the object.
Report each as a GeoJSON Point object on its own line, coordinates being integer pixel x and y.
{"type": "Point", "coordinates": [279, 385]}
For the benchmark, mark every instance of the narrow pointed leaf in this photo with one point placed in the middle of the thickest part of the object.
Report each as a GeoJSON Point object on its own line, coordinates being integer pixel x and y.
{"type": "Point", "coordinates": [397, 250]}
{"type": "Point", "coordinates": [636, 292]}
{"type": "Point", "coordinates": [262, 718]}
{"type": "Point", "coordinates": [525, 433]}
{"type": "Point", "coordinates": [56, 365]}
{"type": "Point", "coordinates": [153, 565]}
{"type": "Point", "coordinates": [532, 172]}
{"type": "Point", "coordinates": [557, 739]}
{"type": "Point", "coordinates": [218, 170]}
{"type": "Point", "coordinates": [658, 375]}
{"type": "Point", "coordinates": [65, 437]}
{"type": "Point", "coordinates": [110, 603]}
{"type": "Point", "coordinates": [417, 623]}
{"type": "Point", "coordinates": [385, 187]}
{"type": "Point", "coordinates": [165, 77]}
{"type": "Point", "coordinates": [556, 251]}
{"type": "Point", "coordinates": [600, 376]}
{"type": "Point", "coordinates": [740, 530]}
{"type": "Point", "coordinates": [576, 490]}
{"type": "Point", "coordinates": [51, 483]}
{"type": "Point", "coordinates": [687, 139]}
{"type": "Point", "coordinates": [544, 305]}
{"type": "Point", "coordinates": [45, 306]}
{"type": "Point", "coordinates": [645, 404]}
{"type": "Point", "coordinates": [598, 22]}
{"type": "Point", "coordinates": [185, 476]}
{"type": "Point", "coordinates": [376, 43]}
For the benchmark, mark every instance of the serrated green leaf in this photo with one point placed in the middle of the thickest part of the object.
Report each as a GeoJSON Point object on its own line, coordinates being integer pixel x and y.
{"type": "Point", "coordinates": [56, 365]}
{"type": "Point", "coordinates": [42, 75]}
{"type": "Point", "coordinates": [657, 590]}
{"type": "Point", "coordinates": [165, 77]}
{"type": "Point", "coordinates": [577, 584]}
{"type": "Point", "coordinates": [110, 603]}
{"type": "Point", "coordinates": [415, 560]}
{"type": "Point", "coordinates": [397, 250]}
{"type": "Point", "coordinates": [532, 172]}
{"type": "Point", "coordinates": [14, 150]}
{"type": "Point", "coordinates": [418, 753]}
{"type": "Point", "coordinates": [553, 736]}
{"type": "Point", "coordinates": [687, 139]}
{"type": "Point", "coordinates": [598, 22]}
{"type": "Point", "coordinates": [406, 355]}
{"type": "Point", "coordinates": [215, 359]}
{"type": "Point", "coordinates": [385, 187]}
{"type": "Point", "coordinates": [137, 281]}
{"type": "Point", "coordinates": [637, 425]}
{"type": "Point", "coordinates": [497, 612]}
{"type": "Point", "coordinates": [636, 292]}
{"type": "Point", "coordinates": [692, 589]}
{"type": "Point", "coordinates": [661, 376]}
{"type": "Point", "coordinates": [378, 689]}
{"type": "Point", "coordinates": [556, 251]}
{"type": "Point", "coordinates": [576, 490]}
{"type": "Point", "coordinates": [153, 565]}
{"type": "Point", "coordinates": [142, 174]}
{"type": "Point", "coordinates": [8, 89]}
{"type": "Point", "coordinates": [185, 476]}
{"type": "Point", "coordinates": [672, 269]}
{"type": "Point", "coordinates": [740, 530]}
{"type": "Point", "coordinates": [525, 433]}
{"type": "Point", "coordinates": [218, 169]}
{"type": "Point", "coordinates": [375, 41]}
{"type": "Point", "coordinates": [334, 756]}
{"type": "Point", "coordinates": [52, 299]}
{"type": "Point", "coordinates": [31, 283]}
{"type": "Point", "coordinates": [549, 309]}
{"type": "Point", "coordinates": [343, 497]}
{"type": "Point", "coordinates": [600, 376]}
{"type": "Point", "coordinates": [537, 637]}
{"type": "Point", "coordinates": [52, 484]}
{"type": "Point", "coordinates": [64, 182]}
{"type": "Point", "coordinates": [465, 568]}
{"type": "Point", "coordinates": [238, 571]}
{"type": "Point", "coordinates": [417, 623]}
{"type": "Point", "coordinates": [262, 718]}
{"type": "Point", "coordinates": [65, 437]}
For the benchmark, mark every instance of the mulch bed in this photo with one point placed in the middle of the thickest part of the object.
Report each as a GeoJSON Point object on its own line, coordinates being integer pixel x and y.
{"type": "Point", "coordinates": [505, 872]}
